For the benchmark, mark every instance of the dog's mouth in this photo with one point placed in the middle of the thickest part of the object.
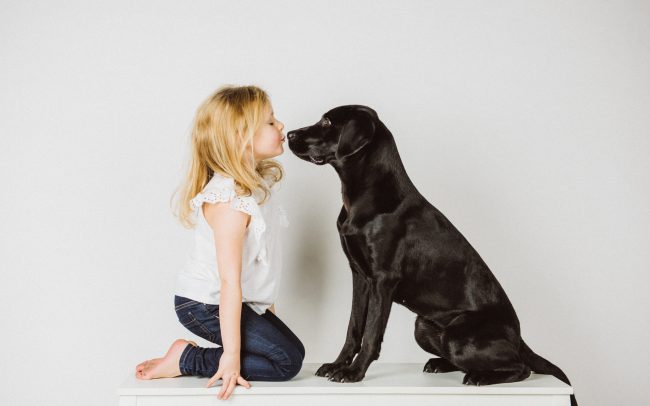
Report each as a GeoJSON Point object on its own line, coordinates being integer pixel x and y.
{"type": "Point", "coordinates": [317, 161]}
{"type": "Point", "coordinates": [305, 153]}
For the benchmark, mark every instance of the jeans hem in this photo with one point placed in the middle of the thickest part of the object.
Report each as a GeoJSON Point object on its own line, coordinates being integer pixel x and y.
{"type": "Point", "coordinates": [181, 362]}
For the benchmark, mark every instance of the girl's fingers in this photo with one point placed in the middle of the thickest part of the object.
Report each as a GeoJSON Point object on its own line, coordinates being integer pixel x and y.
{"type": "Point", "coordinates": [228, 385]}
{"type": "Point", "coordinates": [224, 386]}
{"type": "Point", "coordinates": [231, 386]}
{"type": "Point", "coordinates": [221, 390]}
{"type": "Point", "coordinates": [244, 382]}
{"type": "Point", "coordinates": [212, 380]}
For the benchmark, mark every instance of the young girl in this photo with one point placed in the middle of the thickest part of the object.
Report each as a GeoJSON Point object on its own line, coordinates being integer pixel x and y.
{"type": "Point", "coordinates": [226, 291]}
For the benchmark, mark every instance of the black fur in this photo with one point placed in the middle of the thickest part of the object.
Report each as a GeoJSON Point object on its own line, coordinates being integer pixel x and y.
{"type": "Point", "coordinates": [402, 249]}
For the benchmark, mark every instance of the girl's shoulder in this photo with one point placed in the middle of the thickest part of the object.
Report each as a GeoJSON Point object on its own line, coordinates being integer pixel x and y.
{"type": "Point", "coordinates": [222, 189]}
{"type": "Point", "coordinates": [218, 189]}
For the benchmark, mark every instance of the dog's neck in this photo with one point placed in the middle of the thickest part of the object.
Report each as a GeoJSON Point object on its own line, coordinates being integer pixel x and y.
{"type": "Point", "coordinates": [376, 172]}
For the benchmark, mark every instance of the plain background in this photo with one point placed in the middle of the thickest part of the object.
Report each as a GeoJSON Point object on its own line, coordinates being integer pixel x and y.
{"type": "Point", "coordinates": [525, 123]}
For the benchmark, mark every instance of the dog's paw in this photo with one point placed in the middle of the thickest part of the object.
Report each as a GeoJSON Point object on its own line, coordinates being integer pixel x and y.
{"type": "Point", "coordinates": [347, 374]}
{"type": "Point", "coordinates": [439, 365]}
{"type": "Point", "coordinates": [328, 369]}
{"type": "Point", "coordinates": [480, 378]}
{"type": "Point", "coordinates": [472, 378]}
{"type": "Point", "coordinates": [475, 378]}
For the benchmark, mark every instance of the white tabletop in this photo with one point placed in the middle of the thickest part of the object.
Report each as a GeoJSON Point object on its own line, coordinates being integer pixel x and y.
{"type": "Point", "coordinates": [381, 378]}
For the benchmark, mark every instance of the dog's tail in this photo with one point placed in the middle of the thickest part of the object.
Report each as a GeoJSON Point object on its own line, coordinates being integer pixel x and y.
{"type": "Point", "coordinates": [541, 366]}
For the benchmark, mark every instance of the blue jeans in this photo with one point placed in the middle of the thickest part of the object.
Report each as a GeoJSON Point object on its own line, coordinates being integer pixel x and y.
{"type": "Point", "coordinates": [269, 350]}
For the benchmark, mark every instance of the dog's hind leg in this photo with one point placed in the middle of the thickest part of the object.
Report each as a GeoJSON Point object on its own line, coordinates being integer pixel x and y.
{"type": "Point", "coordinates": [485, 344]}
{"type": "Point", "coordinates": [427, 335]}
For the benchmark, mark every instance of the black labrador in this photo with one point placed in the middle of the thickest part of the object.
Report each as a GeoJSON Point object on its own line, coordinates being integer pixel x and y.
{"type": "Point", "coordinates": [402, 249]}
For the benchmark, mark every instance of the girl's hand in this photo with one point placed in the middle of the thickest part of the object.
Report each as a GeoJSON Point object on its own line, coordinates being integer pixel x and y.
{"type": "Point", "coordinates": [229, 372]}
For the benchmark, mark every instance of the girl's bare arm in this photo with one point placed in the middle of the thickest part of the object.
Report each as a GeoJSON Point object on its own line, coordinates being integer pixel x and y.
{"type": "Point", "coordinates": [229, 227]}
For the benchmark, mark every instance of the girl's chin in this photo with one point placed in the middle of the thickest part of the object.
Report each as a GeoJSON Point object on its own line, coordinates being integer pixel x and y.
{"type": "Point", "coordinates": [279, 151]}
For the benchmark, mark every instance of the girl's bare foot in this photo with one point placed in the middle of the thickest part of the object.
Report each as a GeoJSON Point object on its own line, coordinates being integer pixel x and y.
{"type": "Point", "coordinates": [166, 367]}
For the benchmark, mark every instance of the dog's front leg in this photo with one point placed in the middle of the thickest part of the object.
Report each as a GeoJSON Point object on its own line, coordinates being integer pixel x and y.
{"type": "Point", "coordinates": [360, 290]}
{"type": "Point", "coordinates": [379, 305]}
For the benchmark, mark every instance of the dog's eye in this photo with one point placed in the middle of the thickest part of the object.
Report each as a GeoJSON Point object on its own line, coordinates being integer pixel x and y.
{"type": "Point", "coordinates": [326, 122]}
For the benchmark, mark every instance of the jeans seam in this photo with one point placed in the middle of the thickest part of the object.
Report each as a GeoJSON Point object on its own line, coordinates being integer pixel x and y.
{"type": "Point", "coordinates": [201, 327]}
{"type": "Point", "coordinates": [206, 330]}
{"type": "Point", "coordinates": [192, 319]}
{"type": "Point", "coordinates": [184, 305]}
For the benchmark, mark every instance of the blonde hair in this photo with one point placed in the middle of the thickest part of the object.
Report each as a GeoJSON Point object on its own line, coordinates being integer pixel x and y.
{"type": "Point", "coordinates": [222, 134]}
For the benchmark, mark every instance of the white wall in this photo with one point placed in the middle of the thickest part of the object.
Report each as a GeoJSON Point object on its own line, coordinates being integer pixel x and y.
{"type": "Point", "coordinates": [525, 123]}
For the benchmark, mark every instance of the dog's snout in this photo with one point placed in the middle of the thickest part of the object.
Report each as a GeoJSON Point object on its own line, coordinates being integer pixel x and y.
{"type": "Point", "coordinates": [291, 135]}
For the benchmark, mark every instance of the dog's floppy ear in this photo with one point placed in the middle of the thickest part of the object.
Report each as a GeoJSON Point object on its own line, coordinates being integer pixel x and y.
{"type": "Point", "coordinates": [357, 132]}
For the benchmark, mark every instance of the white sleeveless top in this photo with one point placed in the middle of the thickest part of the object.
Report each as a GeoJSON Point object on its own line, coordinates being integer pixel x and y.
{"type": "Point", "coordinates": [261, 256]}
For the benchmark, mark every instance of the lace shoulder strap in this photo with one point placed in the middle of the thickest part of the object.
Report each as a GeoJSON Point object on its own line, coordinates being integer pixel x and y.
{"type": "Point", "coordinates": [224, 191]}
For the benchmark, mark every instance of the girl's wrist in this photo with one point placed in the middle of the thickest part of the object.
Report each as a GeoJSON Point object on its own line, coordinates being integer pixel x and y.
{"type": "Point", "coordinates": [231, 352]}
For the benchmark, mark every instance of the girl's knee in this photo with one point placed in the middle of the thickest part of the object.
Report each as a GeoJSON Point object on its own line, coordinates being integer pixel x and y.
{"type": "Point", "coordinates": [291, 371]}
{"type": "Point", "coordinates": [292, 366]}
{"type": "Point", "coordinates": [301, 350]}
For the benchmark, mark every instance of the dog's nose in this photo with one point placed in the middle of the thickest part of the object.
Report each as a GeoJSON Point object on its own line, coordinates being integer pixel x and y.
{"type": "Point", "coordinates": [291, 135]}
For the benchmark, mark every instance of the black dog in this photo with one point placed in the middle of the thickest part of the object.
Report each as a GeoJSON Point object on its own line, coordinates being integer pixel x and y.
{"type": "Point", "coordinates": [402, 249]}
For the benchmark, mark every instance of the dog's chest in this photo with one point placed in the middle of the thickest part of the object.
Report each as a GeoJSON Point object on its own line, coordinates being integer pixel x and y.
{"type": "Point", "coordinates": [362, 246]}
{"type": "Point", "coordinates": [357, 255]}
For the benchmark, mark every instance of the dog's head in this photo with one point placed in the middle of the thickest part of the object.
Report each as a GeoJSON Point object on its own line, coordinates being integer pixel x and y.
{"type": "Point", "coordinates": [341, 134]}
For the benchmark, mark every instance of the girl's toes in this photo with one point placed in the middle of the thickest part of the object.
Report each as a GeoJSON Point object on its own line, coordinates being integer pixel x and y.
{"type": "Point", "coordinates": [144, 374]}
{"type": "Point", "coordinates": [140, 370]}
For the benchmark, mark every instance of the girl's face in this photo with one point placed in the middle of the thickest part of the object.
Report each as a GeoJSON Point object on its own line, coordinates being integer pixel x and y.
{"type": "Point", "coordinates": [268, 139]}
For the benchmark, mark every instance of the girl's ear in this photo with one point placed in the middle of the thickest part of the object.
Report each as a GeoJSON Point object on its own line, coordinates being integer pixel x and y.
{"type": "Point", "coordinates": [356, 133]}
